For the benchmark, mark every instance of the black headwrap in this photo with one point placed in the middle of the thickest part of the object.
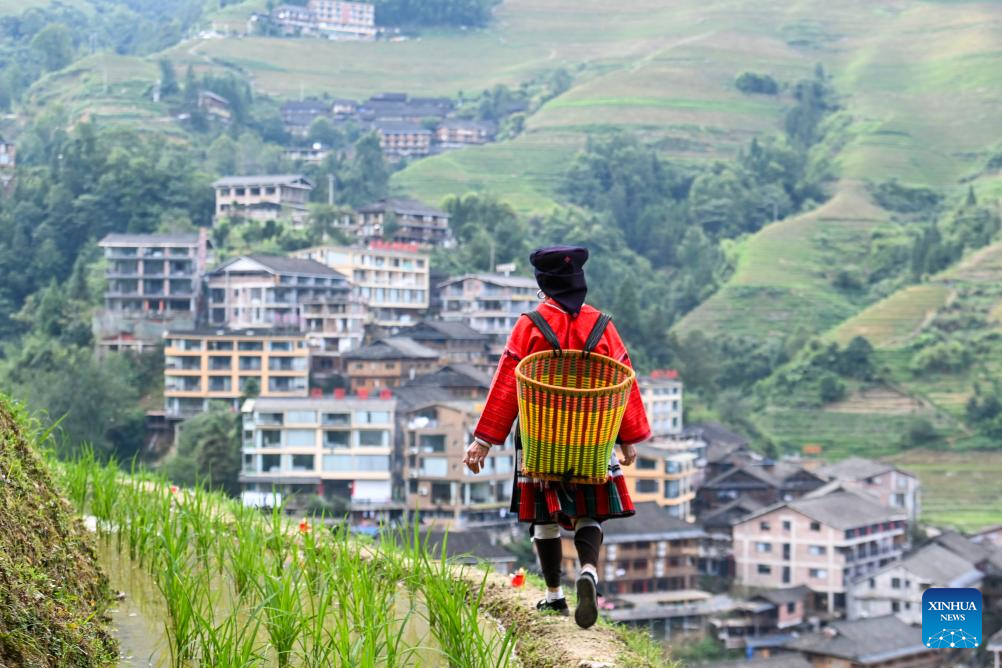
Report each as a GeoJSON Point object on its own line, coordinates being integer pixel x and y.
{"type": "Point", "coordinates": [560, 275]}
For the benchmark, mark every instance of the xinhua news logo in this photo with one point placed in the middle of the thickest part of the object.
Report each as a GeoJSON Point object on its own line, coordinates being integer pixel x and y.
{"type": "Point", "coordinates": [951, 618]}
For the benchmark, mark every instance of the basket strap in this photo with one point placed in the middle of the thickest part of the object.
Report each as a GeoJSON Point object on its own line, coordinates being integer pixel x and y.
{"type": "Point", "coordinates": [537, 318]}
{"type": "Point", "coordinates": [596, 332]}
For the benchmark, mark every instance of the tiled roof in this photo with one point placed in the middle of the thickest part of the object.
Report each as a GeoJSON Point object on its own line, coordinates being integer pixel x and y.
{"type": "Point", "coordinates": [995, 642]}
{"type": "Point", "coordinates": [854, 468]}
{"type": "Point", "coordinates": [149, 239]}
{"type": "Point", "coordinates": [472, 543]}
{"type": "Point", "coordinates": [939, 566]}
{"type": "Point", "coordinates": [392, 347]}
{"type": "Point", "coordinates": [263, 180]}
{"type": "Point", "coordinates": [844, 510]}
{"type": "Point", "coordinates": [454, 375]}
{"type": "Point", "coordinates": [866, 641]}
{"type": "Point", "coordinates": [401, 128]}
{"type": "Point", "coordinates": [785, 595]}
{"type": "Point", "coordinates": [495, 279]}
{"type": "Point", "coordinates": [715, 433]}
{"type": "Point", "coordinates": [436, 330]}
{"type": "Point", "coordinates": [651, 522]}
{"type": "Point", "coordinates": [285, 265]}
{"type": "Point", "coordinates": [403, 206]}
{"type": "Point", "coordinates": [791, 660]}
{"type": "Point", "coordinates": [731, 512]}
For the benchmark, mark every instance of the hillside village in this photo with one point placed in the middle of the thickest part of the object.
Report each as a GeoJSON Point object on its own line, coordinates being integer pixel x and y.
{"type": "Point", "coordinates": [360, 372]}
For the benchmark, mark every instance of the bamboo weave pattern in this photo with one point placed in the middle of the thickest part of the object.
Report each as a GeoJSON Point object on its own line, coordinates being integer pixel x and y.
{"type": "Point", "coordinates": [570, 406]}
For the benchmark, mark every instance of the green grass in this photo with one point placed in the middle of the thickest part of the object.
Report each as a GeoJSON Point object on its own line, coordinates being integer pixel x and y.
{"type": "Point", "coordinates": [959, 490]}
{"type": "Point", "coordinates": [892, 321]}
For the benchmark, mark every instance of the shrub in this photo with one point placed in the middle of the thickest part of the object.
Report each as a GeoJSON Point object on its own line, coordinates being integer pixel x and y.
{"type": "Point", "coordinates": [831, 389]}
{"type": "Point", "coordinates": [753, 83]}
{"type": "Point", "coordinates": [945, 357]}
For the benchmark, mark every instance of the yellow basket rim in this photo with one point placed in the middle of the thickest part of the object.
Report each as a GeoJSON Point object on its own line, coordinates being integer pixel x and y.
{"type": "Point", "coordinates": [584, 392]}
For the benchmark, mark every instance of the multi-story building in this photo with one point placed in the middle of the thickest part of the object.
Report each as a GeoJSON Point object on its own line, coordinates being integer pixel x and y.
{"type": "Point", "coordinates": [220, 365]}
{"type": "Point", "coordinates": [439, 486]}
{"type": "Point", "coordinates": [388, 362]}
{"type": "Point", "coordinates": [661, 392]}
{"type": "Point", "coordinates": [889, 484]}
{"type": "Point", "coordinates": [762, 616]}
{"type": "Point", "coordinates": [463, 381]}
{"type": "Point", "coordinates": [252, 291]}
{"type": "Point", "coordinates": [456, 341]}
{"type": "Point", "coordinates": [265, 197]}
{"type": "Point", "coordinates": [391, 278]}
{"type": "Point", "coordinates": [153, 282]}
{"type": "Point", "coordinates": [764, 480]}
{"type": "Point", "coordinates": [458, 132]}
{"type": "Point", "coordinates": [337, 19]}
{"type": "Point", "coordinates": [824, 542]}
{"type": "Point", "coordinates": [403, 220]}
{"type": "Point", "coordinates": [664, 474]}
{"type": "Point", "coordinates": [298, 115]}
{"type": "Point", "coordinates": [879, 642]}
{"type": "Point", "coordinates": [488, 303]}
{"type": "Point", "coordinates": [400, 139]}
{"type": "Point", "coordinates": [650, 552]}
{"type": "Point", "coordinates": [897, 588]}
{"type": "Point", "coordinates": [337, 447]}
{"type": "Point", "coordinates": [215, 106]}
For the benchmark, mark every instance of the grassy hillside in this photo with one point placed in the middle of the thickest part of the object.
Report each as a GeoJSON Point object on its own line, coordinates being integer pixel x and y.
{"type": "Point", "coordinates": [52, 595]}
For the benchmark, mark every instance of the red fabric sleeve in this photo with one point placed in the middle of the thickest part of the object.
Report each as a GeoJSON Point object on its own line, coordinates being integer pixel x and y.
{"type": "Point", "coordinates": [635, 427]}
{"type": "Point", "coordinates": [501, 408]}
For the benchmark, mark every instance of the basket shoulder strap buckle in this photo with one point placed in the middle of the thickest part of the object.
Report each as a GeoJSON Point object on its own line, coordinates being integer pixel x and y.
{"type": "Point", "coordinates": [544, 327]}
{"type": "Point", "coordinates": [597, 331]}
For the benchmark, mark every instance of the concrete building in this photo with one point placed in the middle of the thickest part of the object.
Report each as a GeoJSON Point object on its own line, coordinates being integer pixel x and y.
{"type": "Point", "coordinates": [457, 342]}
{"type": "Point", "coordinates": [8, 155]}
{"type": "Point", "coordinates": [336, 19]}
{"type": "Point", "coordinates": [219, 365]}
{"type": "Point", "coordinates": [337, 447]}
{"type": "Point", "coordinates": [764, 480]}
{"type": "Point", "coordinates": [661, 392]}
{"type": "Point", "coordinates": [897, 588]}
{"type": "Point", "coordinates": [880, 642]}
{"type": "Point", "coordinates": [391, 278]}
{"type": "Point", "coordinates": [463, 381]}
{"type": "Point", "coordinates": [153, 283]}
{"type": "Point", "coordinates": [458, 132]}
{"type": "Point", "coordinates": [266, 197]}
{"type": "Point", "coordinates": [439, 486]}
{"type": "Point", "coordinates": [651, 552]}
{"type": "Point", "coordinates": [994, 648]}
{"type": "Point", "coordinates": [823, 542]}
{"type": "Point", "coordinates": [253, 291]}
{"type": "Point", "coordinates": [400, 139]}
{"type": "Point", "coordinates": [215, 106]}
{"type": "Point", "coordinates": [410, 222]}
{"type": "Point", "coordinates": [388, 362]}
{"type": "Point", "coordinates": [664, 474]}
{"type": "Point", "coordinates": [298, 115]}
{"type": "Point", "coordinates": [889, 484]}
{"type": "Point", "coordinates": [488, 303]}
{"type": "Point", "coordinates": [769, 615]}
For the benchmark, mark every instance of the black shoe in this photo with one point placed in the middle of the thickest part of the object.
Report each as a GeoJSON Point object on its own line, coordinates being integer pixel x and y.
{"type": "Point", "coordinates": [586, 614]}
{"type": "Point", "coordinates": [559, 606]}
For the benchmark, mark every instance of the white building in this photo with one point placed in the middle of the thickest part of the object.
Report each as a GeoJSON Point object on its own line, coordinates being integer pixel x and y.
{"type": "Point", "coordinates": [337, 447]}
{"type": "Point", "coordinates": [489, 303]}
{"type": "Point", "coordinates": [890, 485]}
{"type": "Point", "coordinates": [391, 278]}
{"type": "Point", "coordinates": [897, 588]}
{"type": "Point", "coordinates": [662, 396]}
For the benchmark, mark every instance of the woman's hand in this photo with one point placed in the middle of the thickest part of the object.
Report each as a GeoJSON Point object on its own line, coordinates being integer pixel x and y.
{"type": "Point", "coordinates": [629, 454]}
{"type": "Point", "coordinates": [475, 456]}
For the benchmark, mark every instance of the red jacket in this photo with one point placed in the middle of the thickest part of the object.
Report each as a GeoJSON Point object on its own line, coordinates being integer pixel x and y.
{"type": "Point", "coordinates": [502, 401]}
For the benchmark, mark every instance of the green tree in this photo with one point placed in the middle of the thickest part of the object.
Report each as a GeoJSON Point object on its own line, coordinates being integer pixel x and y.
{"type": "Point", "coordinates": [54, 44]}
{"type": "Point", "coordinates": [208, 451]}
{"type": "Point", "coordinates": [168, 78]}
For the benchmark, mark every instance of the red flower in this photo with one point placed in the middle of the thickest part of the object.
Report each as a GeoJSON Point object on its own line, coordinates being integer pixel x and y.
{"type": "Point", "coordinates": [518, 579]}
{"type": "Point", "coordinates": [304, 527]}
{"type": "Point", "coordinates": [173, 489]}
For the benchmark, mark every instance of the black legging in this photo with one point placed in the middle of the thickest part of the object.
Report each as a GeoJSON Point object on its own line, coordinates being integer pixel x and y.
{"type": "Point", "coordinates": [587, 540]}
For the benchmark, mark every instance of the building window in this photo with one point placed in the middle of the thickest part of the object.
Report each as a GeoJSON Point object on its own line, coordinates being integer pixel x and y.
{"type": "Point", "coordinates": [337, 418]}
{"type": "Point", "coordinates": [817, 550]}
{"type": "Point", "coordinates": [818, 573]}
{"type": "Point", "coordinates": [301, 438]}
{"type": "Point", "coordinates": [647, 486]}
{"type": "Point", "coordinates": [791, 608]}
{"type": "Point", "coordinates": [220, 384]}
{"type": "Point", "coordinates": [672, 489]}
{"type": "Point", "coordinates": [895, 583]}
{"type": "Point", "coordinates": [337, 439]}
{"type": "Point", "coordinates": [271, 438]}
{"type": "Point", "coordinates": [300, 417]}
{"type": "Point", "coordinates": [764, 569]}
{"type": "Point", "coordinates": [787, 525]}
{"type": "Point", "coordinates": [764, 526]}
{"type": "Point", "coordinates": [895, 606]}
{"type": "Point", "coordinates": [376, 439]}
{"type": "Point", "coordinates": [815, 526]}
{"type": "Point", "coordinates": [250, 345]}
{"type": "Point", "coordinates": [280, 346]}
{"type": "Point", "coordinates": [873, 583]}
{"type": "Point", "coordinates": [763, 547]}
{"type": "Point", "coordinates": [645, 464]}
{"type": "Point", "coordinates": [303, 463]}
{"type": "Point", "coordinates": [271, 463]}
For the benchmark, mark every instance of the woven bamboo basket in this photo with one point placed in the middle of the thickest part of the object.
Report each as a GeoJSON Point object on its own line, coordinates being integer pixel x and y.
{"type": "Point", "coordinates": [570, 407]}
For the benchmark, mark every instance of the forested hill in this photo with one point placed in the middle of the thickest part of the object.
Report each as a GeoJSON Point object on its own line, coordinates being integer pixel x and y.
{"type": "Point", "coordinates": [760, 182]}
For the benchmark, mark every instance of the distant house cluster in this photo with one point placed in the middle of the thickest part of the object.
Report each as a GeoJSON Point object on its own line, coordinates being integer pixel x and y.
{"type": "Point", "coordinates": [330, 19]}
{"type": "Point", "coordinates": [407, 126]}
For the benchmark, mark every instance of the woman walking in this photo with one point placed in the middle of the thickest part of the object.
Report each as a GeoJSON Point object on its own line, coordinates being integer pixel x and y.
{"type": "Point", "coordinates": [549, 505]}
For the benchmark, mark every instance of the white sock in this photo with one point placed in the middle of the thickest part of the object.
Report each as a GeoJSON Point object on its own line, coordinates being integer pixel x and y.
{"type": "Point", "coordinates": [552, 596]}
{"type": "Point", "coordinates": [588, 568]}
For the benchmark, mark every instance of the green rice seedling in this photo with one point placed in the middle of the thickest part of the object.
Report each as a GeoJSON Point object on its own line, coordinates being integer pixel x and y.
{"type": "Point", "coordinates": [77, 477]}
{"type": "Point", "coordinates": [275, 537]}
{"type": "Point", "coordinates": [233, 643]}
{"type": "Point", "coordinates": [105, 490]}
{"type": "Point", "coordinates": [245, 550]}
{"type": "Point", "coordinates": [182, 588]}
{"type": "Point", "coordinates": [283, 609]}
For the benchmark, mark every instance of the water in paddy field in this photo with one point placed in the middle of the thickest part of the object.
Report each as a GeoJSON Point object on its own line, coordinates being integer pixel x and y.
{"type": "Point", "coordinates": [138, 620]}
